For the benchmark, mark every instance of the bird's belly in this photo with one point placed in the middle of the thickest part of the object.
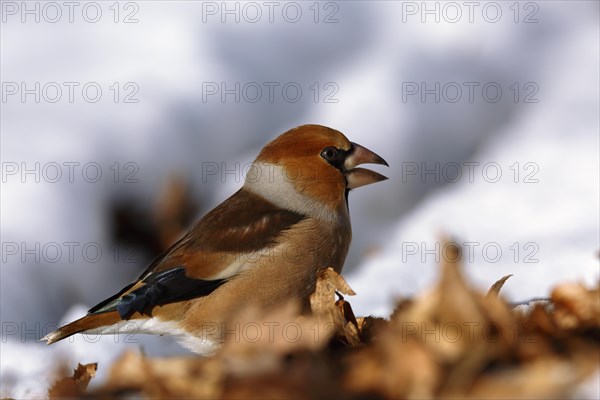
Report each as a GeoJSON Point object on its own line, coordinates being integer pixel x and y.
{"type": "Point", "coordinates": [266, 279]}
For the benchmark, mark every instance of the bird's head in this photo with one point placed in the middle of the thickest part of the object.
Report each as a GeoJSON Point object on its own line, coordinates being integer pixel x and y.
{"type": "Point", "coordinates": [310, 169]}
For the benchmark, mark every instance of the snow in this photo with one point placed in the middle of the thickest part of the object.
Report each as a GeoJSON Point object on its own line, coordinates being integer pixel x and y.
{"type": "Point", "coordinates": [369, 54]}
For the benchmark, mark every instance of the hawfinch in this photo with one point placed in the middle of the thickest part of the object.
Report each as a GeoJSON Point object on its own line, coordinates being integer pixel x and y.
{"type": "Point", "coordinates": [262, 245]}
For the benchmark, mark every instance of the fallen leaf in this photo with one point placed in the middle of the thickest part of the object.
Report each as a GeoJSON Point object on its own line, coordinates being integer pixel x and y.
{"type": "Point", "coordinates": [495, 289]}
{"type": "Point", "coordinates": [73, 386]}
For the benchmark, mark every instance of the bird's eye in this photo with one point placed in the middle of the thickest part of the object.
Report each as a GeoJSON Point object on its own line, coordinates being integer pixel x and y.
{"type": "Point", "coordinates": [329, 153]}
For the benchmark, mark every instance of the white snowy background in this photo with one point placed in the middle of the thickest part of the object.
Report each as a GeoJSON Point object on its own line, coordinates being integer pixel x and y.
{"type": "Point", "coordinates": [542, 213]}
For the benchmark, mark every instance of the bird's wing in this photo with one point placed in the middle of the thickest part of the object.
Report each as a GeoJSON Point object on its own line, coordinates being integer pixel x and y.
{"type": "Point", "coordinates": [218, 247]}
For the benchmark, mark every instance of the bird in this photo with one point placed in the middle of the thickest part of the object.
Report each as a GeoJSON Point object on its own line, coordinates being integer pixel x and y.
{"type": "Point", "coordinates": [264, 244]}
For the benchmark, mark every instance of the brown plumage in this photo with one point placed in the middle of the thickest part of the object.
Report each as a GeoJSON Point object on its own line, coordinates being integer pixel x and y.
{"type": "Point", "coordinates": [262, 245]}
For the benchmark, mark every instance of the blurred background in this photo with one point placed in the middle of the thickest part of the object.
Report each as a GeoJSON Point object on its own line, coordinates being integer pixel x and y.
{"type": "Point", "coordinates": [123, 123]}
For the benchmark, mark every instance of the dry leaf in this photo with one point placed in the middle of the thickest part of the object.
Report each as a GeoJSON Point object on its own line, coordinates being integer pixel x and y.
{"type": "Point", "coordinates": [576, 306]}
{"type": "Point", "coordinates": [495, 289]}
{"type": "Point", "coordinates": [449, 341]}
{"type": "Point", "coordinates": [190, 377]}
{"type": "Point", "coordinates": [337, 313]}
{"type": "Point", "coordinates": [73, 386]}
{"type": "Point", "coordinates": [328, 283]}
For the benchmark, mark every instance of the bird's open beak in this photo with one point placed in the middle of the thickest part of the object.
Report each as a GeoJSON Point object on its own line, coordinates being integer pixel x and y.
{"type": "Point", "coordinates": [357, 177]}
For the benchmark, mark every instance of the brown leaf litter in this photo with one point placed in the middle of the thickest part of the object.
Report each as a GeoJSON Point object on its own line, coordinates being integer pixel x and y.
{"type": "Point", "coordinates": [451, 341]}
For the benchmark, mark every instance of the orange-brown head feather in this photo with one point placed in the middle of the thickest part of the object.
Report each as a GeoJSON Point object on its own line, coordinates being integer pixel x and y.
{"type": "Point", "coordinates": [296, 160]}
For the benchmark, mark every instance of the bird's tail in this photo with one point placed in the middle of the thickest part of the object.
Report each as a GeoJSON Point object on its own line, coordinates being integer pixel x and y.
{"type": "Point", "coordinates": [89, 322]}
